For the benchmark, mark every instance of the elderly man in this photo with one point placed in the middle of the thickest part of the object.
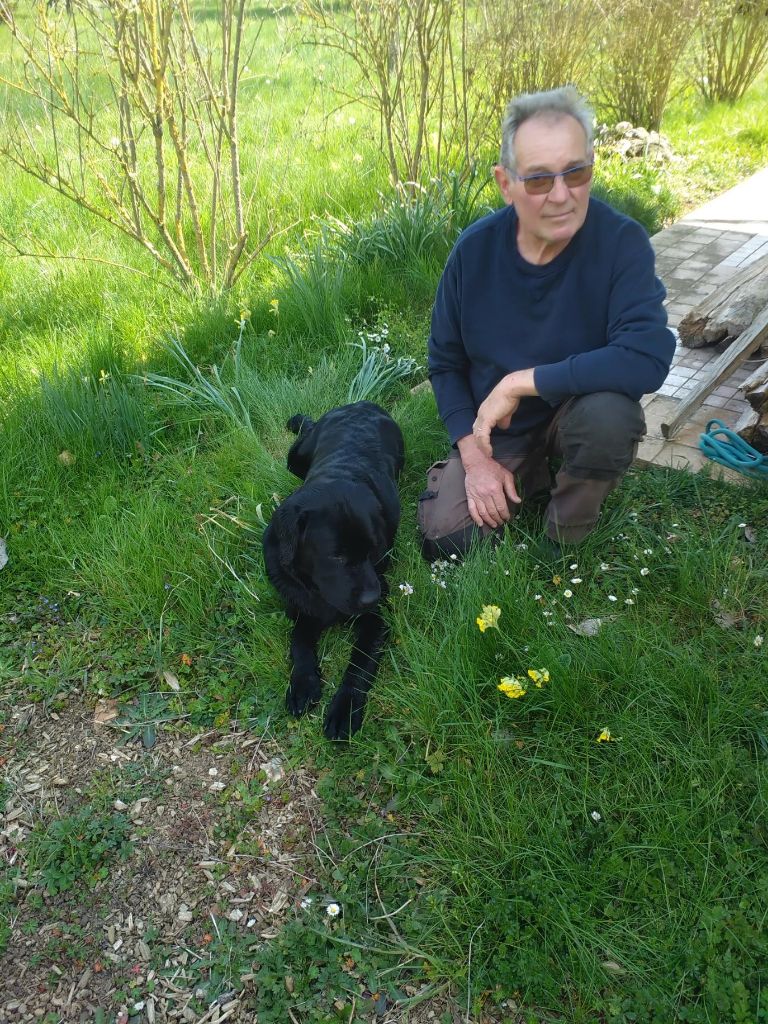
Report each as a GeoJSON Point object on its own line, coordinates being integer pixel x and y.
{"type": "Point", "coordinates": [548, 327]}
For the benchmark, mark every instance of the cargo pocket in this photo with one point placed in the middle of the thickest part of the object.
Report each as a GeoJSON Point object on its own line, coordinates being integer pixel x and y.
{"type": "Point", "coordinates": [599, 435]}
{"type": "Point", "coordinates": [426, 516]}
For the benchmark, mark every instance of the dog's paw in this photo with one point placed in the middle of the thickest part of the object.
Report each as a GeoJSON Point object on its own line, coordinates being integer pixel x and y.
{"type": "Point", "coordinates": [345, 714]}
{"type": "Point", "coordinates": [303, 693]}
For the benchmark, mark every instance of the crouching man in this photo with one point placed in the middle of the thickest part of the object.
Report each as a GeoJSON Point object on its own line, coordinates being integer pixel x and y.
{"type": "Point", "coordinates": [547, 329]}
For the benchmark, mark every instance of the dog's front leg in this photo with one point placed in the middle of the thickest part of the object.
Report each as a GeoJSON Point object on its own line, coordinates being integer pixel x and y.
{"type": "Point", "coordinates": [345, 712]}
{"type": "Point", "coordinates": [305, 685]}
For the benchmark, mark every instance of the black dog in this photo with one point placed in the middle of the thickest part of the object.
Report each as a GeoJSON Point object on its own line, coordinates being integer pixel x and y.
{"type": "Point", "coordinates": [327, 546]}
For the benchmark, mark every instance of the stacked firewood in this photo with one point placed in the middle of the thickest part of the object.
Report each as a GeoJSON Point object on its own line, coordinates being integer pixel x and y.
{"type": "Point", "coordinates": [737, 313]}
{"type": "Point", "coordinates": [728, 311]}
{"type": "Point", "coordinates": [753, 425]}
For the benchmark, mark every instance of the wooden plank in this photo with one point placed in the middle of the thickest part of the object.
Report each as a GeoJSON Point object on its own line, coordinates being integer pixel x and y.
{"type": "Point", "coordinates": [718, 371]}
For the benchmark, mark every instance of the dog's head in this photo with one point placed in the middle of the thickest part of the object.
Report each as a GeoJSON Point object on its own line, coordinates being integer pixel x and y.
{"type": "Point", "coordinates": [332, 548]}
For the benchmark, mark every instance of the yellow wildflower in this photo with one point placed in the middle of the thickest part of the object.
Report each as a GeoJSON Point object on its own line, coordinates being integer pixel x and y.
{"type": "Point", "coordinates": [540, 676]}
{"type": "Point", "coordinates": [489, 617]}
{"type": "Point", "coordinates": [274, 306]}
{"type": "Point", "coordinates": [511, 687]}
{"type": "Point", "coordinates": [556, 580]}
{"type": "Point", "coordinates": [605, 737]}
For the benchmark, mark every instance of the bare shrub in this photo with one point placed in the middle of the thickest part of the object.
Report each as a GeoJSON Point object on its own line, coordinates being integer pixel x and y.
{"type": "Point", "coordinates": [409, 55]}
{"type": "Point", "coordinates": [644, 42]}
{"type": "Point", "coordinates": [522, 46]}
{"type": "Point", "coordinates": [129, 108]}
{"type": "Point", "coordinates": [732, 47]}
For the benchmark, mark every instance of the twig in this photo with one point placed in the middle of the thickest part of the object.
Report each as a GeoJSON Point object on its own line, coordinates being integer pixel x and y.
{"type": "Point", "coordinates": [391, 913]}
{"type": "Point", "coordinates": [469, 971]}
{"type": "Point", "coordinates": [21, 253]}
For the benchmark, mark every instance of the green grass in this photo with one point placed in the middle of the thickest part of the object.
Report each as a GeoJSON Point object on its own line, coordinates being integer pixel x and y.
{"type": "Point", "coordinates": [133, 514]}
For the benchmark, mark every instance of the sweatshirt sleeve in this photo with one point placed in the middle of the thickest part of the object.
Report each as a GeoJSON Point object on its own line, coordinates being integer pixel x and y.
{"type": "Point", "coordinates": [447, 360]}
{"type": "Point", "coordinates": [639, 346]}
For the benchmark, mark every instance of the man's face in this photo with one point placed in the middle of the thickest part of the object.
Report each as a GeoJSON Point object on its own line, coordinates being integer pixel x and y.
{"type": "Point", "coordinates": [547, 223]}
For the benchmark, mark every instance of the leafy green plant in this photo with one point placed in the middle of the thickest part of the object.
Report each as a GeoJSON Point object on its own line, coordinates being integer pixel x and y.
{"type": "Point", "coordinates": [379, 372]}
{"type": "Point", "coordinates": [78, 848]}
{"type": "Point", "coordinates": [206, 392]}
{"type": "Point", "coordinates": [140, 719]}
{"type": "Point", "coordinates": [636, 188]}
{"type": "Point", "coordinates": [415, 222]}
{"type": "Point", "coordinates": [104, 412]}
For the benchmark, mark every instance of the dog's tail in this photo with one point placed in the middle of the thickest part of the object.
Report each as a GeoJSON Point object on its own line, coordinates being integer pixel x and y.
{"type": "Point", "coordinates": [300, 424]}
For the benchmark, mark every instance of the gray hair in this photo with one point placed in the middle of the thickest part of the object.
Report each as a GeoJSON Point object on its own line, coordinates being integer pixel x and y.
{"type": "Point", "coordinates": [562, 102]}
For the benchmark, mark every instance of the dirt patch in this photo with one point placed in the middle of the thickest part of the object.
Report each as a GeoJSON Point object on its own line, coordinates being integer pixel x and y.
{"type": "Point", "coordinates": [223, 836]}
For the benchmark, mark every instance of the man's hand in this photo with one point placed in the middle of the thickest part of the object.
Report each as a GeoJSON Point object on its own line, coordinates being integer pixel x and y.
{"type": "Point", "coordinates": [489, 486]}
{"type": "Point", "coordinates": [500, 406]}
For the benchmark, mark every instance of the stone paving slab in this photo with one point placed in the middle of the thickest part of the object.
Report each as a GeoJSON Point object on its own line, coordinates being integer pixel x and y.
{"type": "Point", "coordinates": [694, 257]}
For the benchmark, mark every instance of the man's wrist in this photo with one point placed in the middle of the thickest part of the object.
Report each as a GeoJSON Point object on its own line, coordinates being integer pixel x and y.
{"type": "Point", "coordinates": [470, 452]}
{"type": "Point", "coordinates": [519, 384]}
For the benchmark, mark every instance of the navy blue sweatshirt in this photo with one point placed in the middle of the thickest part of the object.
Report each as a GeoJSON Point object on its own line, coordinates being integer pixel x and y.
{"type": "Point", "coordinates": [590, 320]}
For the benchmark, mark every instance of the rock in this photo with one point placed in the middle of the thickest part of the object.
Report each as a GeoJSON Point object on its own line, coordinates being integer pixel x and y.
{"type": "Point", "coordinates": [630, 142]}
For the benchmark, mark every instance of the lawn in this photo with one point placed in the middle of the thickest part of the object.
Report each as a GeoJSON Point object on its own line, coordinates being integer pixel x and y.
{"type": "Point", "coordinates": [468, 855]}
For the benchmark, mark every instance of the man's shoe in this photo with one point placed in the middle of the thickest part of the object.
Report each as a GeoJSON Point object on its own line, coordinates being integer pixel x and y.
{"type": "Point", "coordinates": [548, 551]}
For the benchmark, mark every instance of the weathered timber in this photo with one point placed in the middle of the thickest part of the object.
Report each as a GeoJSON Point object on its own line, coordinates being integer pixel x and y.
{"type": "Point", "coordinates": [755, 388]}
{"type": "Point", "coordinates": [719, 370]}
{"type": "Point", "coordinates": [753, 427]}
{"type": "Point", "coordinates": [730, 310]}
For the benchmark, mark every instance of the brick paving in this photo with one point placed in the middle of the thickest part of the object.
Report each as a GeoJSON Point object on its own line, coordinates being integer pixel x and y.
{"type": "Point", "coordinates": [693, 258]}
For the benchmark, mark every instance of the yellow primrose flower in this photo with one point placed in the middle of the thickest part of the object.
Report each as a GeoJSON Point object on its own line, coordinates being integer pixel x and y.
{"type": "Point", "coordinates": [510, 687]}
{"type": "Point", "coordinates": [274, 306]}
{"type": "Point", "coordinates": [556, 580]}
{"type": "Point", "coordinates": [540, 676]}
{"type": "Point", "coordinates": [605, 737]}
{"type": "Point", "coordinates": [489, 617]}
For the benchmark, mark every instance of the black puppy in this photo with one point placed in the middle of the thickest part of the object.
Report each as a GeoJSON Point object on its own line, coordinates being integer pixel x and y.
{"type": "Point", "coordinates": [327, 546]}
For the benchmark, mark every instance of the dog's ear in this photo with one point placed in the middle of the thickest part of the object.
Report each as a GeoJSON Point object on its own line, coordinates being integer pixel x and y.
{"type": "Point", "coordinates": [289, 523]}
{"type": "Point", "coordinates": [302, 450]}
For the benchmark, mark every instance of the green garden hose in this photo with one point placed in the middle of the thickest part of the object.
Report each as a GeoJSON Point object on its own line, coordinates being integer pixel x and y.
{"type": "Point", "coordinates": [726, 447]}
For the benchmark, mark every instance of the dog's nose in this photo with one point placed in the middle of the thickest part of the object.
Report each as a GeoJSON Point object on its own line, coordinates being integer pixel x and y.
{"type": "Point", "coordinates": [368, 598]}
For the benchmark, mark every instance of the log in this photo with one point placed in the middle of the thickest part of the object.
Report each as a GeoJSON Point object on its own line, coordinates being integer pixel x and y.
{"type": "Point", "coordinates": [753, 427]}
{"type": "Point", "coordinates": [755, 388]}
{"type": "Point", "coordinates": [718, 371]}
{"type": "Point", "coordinates": [728, 311]}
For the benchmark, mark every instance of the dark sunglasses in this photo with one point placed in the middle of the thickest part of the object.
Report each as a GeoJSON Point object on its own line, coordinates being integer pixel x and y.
{"type": "Point", "coordinates": [540, 184]}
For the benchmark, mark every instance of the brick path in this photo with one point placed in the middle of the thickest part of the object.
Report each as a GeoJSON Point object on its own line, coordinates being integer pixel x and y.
{"type": "Point", "coordinates": [693, 258]}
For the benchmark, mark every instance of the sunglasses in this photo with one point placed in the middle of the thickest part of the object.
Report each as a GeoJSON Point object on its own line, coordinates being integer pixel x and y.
{"type": "Point", "coordinates": [541, 184]}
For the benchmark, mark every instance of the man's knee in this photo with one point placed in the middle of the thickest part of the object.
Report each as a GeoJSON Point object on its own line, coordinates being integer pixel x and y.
{"type": "Point", "coordinates": [599, 434]}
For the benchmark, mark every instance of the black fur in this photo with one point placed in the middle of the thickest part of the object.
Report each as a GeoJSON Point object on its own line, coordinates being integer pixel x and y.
{"type": "Point", "coordinates": [327, 548]}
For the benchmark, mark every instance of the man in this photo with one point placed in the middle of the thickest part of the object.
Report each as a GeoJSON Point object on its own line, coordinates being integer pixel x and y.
{"type": "Point", "coordinates": [547, 329]}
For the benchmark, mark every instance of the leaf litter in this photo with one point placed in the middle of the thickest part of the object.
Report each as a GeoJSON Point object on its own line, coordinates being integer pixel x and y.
{"type": "Point", "coordinates": [148, 925]}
